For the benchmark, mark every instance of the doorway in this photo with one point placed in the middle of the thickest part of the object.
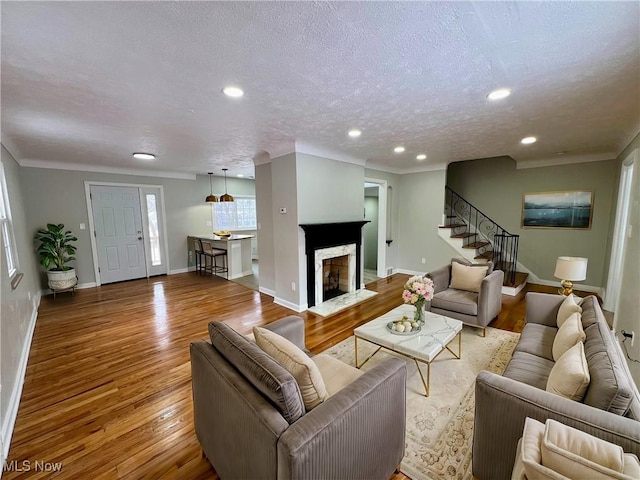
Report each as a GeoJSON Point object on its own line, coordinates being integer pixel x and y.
{"type": "Point", "coordinates": [128, 238]}
{"type": "Point", "coordinates": [620, 233]}
{"type": "Point", "coordinates": [375, 232]}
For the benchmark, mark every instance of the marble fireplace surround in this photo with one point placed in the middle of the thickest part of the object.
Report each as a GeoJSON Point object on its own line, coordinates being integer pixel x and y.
{"type": "Point", "coordinates": [327, 236]}
{"type": "Point", "coordinates": [332, 252]}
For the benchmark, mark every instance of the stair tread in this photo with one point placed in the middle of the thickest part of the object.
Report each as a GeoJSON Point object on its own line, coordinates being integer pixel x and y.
{"type": "Point", "coordinates": [476, 245]}
{"type": "Point", "coordinates": [451, 225]}
{"type": "Point", "coordinates": [485, 255]}
{"type": "Point", "coordinates": [521, 278]}
{"type": "Point", "coordinates": [463, 235]}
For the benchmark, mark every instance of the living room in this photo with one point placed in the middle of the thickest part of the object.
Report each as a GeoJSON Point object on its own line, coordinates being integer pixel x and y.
{"type": "Point", "coordinates": [585, 147]}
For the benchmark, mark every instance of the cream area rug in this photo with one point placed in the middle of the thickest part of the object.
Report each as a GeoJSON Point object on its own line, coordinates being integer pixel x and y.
{"type": "Point", "coordinates": [440, 427]}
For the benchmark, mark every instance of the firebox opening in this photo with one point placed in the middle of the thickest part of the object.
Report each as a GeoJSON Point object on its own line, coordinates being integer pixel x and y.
{"type": "Point", "coordinates": [335, 277]}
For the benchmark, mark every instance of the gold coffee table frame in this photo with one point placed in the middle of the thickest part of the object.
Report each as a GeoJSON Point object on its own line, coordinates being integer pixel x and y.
{"type": "Point", "coordinates": [416, 359]}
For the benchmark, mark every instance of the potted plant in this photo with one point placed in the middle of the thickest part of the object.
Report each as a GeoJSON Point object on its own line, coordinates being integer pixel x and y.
{"type": "Point", "coordinates": [55, 251]}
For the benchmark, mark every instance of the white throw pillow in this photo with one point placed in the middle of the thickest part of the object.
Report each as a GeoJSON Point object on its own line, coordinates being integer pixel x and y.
{"type": "Point", "coordinates": [569, 377]}
{"type": "Point", "coordinates": [576, 454]}
{"type": "Point", "coordinates": [467, 277]}
{"type": "Point", "coordinates": [570, 305]}
{"type": "Point", "coordinates": [570, 333]}
{"type": "Point", "coordinates": [297, 363]}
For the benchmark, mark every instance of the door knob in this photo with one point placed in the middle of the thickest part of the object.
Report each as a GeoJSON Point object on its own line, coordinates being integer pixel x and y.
{"type": "Point", "coordinates": [139, 238]}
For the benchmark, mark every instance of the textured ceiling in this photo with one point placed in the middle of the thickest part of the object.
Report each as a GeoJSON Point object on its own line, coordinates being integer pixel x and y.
{"type": "Point", "coordinates": [86, 84]}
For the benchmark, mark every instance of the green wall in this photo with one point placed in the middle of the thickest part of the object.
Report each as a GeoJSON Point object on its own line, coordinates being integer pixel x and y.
{"type": "Point", "coordinates": [495, 186]}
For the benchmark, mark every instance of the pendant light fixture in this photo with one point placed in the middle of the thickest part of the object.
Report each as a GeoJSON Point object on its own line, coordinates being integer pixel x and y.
{"type": "Point", "coordinates": [211, 198]}
{"type": "Point", "coordinates": [226, 197]}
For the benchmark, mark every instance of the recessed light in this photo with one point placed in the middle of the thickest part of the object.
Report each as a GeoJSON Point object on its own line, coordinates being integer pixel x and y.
{"type": "Point", "coordinates": [144, 156]}
{"type": "Point", "coordinates": [528, 140]}
{"type": "Point", "coordinates": [422, 156]}
{"type": "Point", "coordinates": [499, 94]}
{"type": "Point", "coordinates": [354, 133]}
{"type": "Point", "coordinates": [232, 91]}
{"type": "Point", "coordinates": [240, 175]}
{"type": "Point", "coordinates": [398, 149]}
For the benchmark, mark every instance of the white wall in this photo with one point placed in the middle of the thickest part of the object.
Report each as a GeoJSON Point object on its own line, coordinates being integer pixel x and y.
{"type": "Point", "coordinates": [264, 207]}
{"type": "Point", "coordinates": [18, 308]}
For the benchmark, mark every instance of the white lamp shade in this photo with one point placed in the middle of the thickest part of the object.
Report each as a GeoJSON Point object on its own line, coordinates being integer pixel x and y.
{"type": "Point", "coordinates": [571, 268]}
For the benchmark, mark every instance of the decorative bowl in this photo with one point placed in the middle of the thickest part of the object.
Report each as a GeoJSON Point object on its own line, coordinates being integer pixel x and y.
{"type": "Point", "coordinates": [413, 330]}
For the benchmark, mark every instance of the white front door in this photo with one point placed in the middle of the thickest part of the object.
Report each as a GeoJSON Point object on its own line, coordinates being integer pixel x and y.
{"type": "Point", "coordinates": [117, 221]}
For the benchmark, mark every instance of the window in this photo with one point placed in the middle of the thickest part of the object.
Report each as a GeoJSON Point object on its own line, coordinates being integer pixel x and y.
{"type": "Point", "coordinates": [154, 232]}
{"type": "Point", "coordinates": [237, 215]}
{"type": "Point", "coordinates": [8, 239]}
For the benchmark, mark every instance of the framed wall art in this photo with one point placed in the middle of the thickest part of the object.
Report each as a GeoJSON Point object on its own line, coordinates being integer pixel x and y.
{"type": "Point", "coordinates": [566, 209]}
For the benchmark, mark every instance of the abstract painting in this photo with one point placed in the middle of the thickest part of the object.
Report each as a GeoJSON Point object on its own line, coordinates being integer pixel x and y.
{"type": "Point", "coordinates": [567, 209]}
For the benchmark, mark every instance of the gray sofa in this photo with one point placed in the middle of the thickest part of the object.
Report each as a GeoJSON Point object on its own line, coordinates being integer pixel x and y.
{"type": "Point", "coordinates": [251, 421]}
{"type": "Point", "coordinates": [610, 409]}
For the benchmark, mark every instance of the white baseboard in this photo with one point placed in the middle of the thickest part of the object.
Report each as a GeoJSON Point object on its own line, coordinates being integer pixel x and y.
{"type": "Point", "coordinates": [290, 305]}
{"type": "Point", "coordinates": [267, 291]}
{"type": "Point", "coordinates": [182, 270]}
{"type": "Point", "coordinates": [14, 401]}
{"type": "Point", "coordinates": [80, 286]}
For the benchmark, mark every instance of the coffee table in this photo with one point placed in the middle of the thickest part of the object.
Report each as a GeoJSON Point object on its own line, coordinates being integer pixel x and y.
{"type": "Point", "coordinates": [424, 346]}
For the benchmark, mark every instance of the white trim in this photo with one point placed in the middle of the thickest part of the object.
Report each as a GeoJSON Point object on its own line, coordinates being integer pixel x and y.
{"type": "Point", "coordinates": [14, 401]}
{"type": "Point", "coordinates": [427, 167]}
{"type": "Point", "coordinates": [564, 160]}
{"type": "Point", "coordinates": [308, 149]}
{"type": "Point", "coordinates": [182, 270]}
{"type": "Point", "coordinates": [267, 291]}
{"type": "Point", "coordinates": [92, 236]}
{"type": "Point", "coordinates": [80, 167]}
{"type": "Point", "coordinates": [80, 286]}
{"type": "Point", "coordinates": [290, 305]}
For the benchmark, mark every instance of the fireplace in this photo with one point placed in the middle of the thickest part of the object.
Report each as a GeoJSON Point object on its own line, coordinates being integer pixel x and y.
{"type": "Point", "coordinates": [333, 259]}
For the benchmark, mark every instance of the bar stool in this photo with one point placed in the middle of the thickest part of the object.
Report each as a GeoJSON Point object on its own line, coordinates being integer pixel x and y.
{"type": "Point", "coordinates": [199, 255]}
{"type": "Point", "coordinates": [211, 256]}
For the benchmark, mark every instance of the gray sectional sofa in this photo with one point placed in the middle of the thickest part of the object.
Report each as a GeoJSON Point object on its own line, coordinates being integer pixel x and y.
{"type": "Point", "coordinates": [252, 424]}
{"type": "Point", "coordinates": [610, 409]}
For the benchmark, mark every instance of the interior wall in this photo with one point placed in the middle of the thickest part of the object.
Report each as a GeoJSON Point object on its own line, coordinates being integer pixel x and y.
{"type": "Point", "coordinates": [370, 230]}
{"type": "Point", "coordinates": [496, 187]}
{"type": "Point", "coordinates": [265, 213]}
{"type": "Point", "coordinates": [58, 196]}
{"type": "Point", "coordinates": [421, 206]}
{"type": "Point", "coordinates": [18, 308]}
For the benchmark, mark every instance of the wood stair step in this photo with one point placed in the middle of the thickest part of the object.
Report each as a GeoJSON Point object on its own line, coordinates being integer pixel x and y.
{"type": "Point", "coordinates": [451, 225]}
{"type": "Point", "coordinates": [463, 235]}
{"type": "Point", "coordinates": [521, 278]}
{"type": "Point", "coordinates": [474, 245]}
{"type": "Point", "coordinates": [485, 255]}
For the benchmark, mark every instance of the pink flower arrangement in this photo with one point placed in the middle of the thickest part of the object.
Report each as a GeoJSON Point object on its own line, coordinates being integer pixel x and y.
{"type": "Point", "coordinates": [417, 290]}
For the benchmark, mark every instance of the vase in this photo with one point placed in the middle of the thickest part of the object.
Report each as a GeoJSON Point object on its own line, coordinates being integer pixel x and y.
{"type": "Point", "coordinates": [418, 315]}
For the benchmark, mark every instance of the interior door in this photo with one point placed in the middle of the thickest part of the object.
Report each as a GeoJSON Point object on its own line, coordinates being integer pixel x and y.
{"type": "Point", "coordinates": [117, 221]}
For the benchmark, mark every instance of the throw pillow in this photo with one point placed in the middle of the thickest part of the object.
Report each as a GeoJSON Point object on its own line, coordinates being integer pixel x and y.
{"type": "Point", "coordinates": [569, 305]}
{"type": "Point", "coordinates": [467, 277]}
{"type": "Point", "coordinates": [296, 362]}
{"type": "Point", "coordinates": [568, 335]}
{"type": "Point", "coordinates": [569, 377]}
{"type": "Point", "coordinates": [576, 454]}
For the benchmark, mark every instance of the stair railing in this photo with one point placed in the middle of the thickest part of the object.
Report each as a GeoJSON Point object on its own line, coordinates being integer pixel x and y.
{"type": "Point", "coordinates": [500, 246]}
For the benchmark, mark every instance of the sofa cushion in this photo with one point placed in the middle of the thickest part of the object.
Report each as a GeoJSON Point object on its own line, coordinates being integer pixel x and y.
{"type": "Point", "coordinates": [591, 311]}
{"type": "Point", "coordinates": [567, 307]}
{"type": "Point", "coordinates": [464, 261]}
{"type": "Point", "coordinates": [296, 362]}
{"type": "Point", "coordinates": [456, 301]}
{"type": "Point", "coordinates": [262, 371]}
{"type": "Point", "coordinates": [537, 340]}
{"type": "Point", "coordinates": [335, 374]}
{"type": "Point", "coordinates": [569, 377]}
{"type": "Point", "coordinates": [467, 277]}
{"type": "Point", "coordinates": [576, 454]}
{"type": "Point", "coordinates": [568, 335]}
{"type": "Point", "coordinates": [530, 369]}
{"type": "Point", "coordinates": [611, 389]}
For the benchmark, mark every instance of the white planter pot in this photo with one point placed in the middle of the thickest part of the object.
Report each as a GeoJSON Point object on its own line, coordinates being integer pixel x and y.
{"type": "Point", "coordinates": [62, 280]}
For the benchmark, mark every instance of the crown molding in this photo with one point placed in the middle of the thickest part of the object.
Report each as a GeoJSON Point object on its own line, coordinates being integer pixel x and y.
{"type": "Point", "coordinates": [564, 160]}
{"type": "Point", "coordinates": [34, 163]}
{"type": "Point", "coordinates": [308, 149]}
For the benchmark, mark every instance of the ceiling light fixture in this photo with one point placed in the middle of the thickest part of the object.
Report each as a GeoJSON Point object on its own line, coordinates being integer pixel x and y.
{"type": "Point", "coordinates": [211, 198]}
{"type": "Point", "coordinates": [240, 175]}
{"type": "Point", "coordinates": [499, 94]}
{"type": "Point", "coordinates": [422, 156]}
{"type": "Point", "coordinates": [528, 140]}
{"type": "Point", "coordinates": [226, 197]}
{"type": "Point", "coordinates": [398, 149]}
{"type": "Point", "coordinates": [231, 91]}
{"type": "Point", "coordinates": [144, 156]}
{"type": "Point", "coordinates": [355, 133]}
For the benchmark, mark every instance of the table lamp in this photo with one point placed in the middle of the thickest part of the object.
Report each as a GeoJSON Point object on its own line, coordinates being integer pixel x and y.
{"type": "Point", "coordinates": [569, 270]}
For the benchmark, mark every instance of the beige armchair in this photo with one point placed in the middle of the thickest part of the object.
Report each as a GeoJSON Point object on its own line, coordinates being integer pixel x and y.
{"type": "Point", "coordinates": [471, 293]}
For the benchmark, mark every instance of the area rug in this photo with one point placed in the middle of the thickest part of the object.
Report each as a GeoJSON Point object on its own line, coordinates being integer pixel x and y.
{"type": "Point", "coordinates": [440, 427]}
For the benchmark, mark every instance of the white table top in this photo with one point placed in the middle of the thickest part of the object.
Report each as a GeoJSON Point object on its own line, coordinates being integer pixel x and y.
{"type": "Point", "coordinates": [435, 334]}
{"type": "Point", "coordinates": [222, 239]}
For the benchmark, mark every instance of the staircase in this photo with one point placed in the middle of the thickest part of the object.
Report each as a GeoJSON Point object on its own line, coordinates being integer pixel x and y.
{"type": "Point", "coordinates": [482, 239]}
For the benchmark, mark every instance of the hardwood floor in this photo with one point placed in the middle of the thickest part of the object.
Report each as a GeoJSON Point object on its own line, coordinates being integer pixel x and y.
{"type": "Point", "coordinates": [107, 391]}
